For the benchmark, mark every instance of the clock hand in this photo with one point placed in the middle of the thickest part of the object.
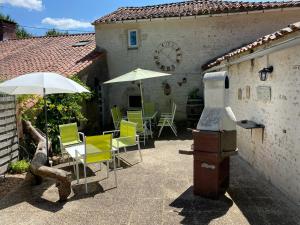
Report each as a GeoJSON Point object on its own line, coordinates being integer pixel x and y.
{"type": "Point", "coordinates": [164, 54]}
{"type": "Point", "coordinates": [172, 61]}
{"type": "Point", "coordinates": [168, 57]}
{"type": "Point", "coordinates": [170, 52]}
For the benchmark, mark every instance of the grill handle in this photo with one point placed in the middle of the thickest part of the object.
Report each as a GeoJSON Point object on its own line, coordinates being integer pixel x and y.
{"type": "Point", "coordinates": [186, 152]}
{"type": "Point", "coordinates": [192, 130]}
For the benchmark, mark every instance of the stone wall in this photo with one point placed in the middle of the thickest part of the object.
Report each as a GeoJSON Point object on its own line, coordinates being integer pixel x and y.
{"type": "Point", "coordinates": [8, 132]}
{"type": "Point", "coordinates": [276, 104]}
{"type": "Point", "coordinates": [200, 40]}
{"type": "Point", "coordinates": [94, 110]}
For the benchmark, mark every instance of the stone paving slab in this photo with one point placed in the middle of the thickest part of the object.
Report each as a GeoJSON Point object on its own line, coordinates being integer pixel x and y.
{"type": "Point", "coordinates": [157, 191]}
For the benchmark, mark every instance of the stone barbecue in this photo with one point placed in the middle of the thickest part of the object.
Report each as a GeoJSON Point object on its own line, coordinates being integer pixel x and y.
{"type": "Point", "coordinates": [214, 138]}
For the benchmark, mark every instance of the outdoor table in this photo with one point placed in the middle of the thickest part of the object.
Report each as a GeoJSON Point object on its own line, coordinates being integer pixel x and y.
{"type": "Point", "coordinates": [79, 149]}
{"type": "Point", "coordinates": [148, 119]}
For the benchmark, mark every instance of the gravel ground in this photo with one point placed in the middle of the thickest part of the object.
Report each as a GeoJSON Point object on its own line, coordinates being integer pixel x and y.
{"type": "Point", "coordinates": [157, 191]}
{"type": "Point", "coordinates": [10, 183]}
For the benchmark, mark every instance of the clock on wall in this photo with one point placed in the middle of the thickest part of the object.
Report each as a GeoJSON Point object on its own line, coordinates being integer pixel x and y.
{"type": "Point", "coordinates": [167, 56]}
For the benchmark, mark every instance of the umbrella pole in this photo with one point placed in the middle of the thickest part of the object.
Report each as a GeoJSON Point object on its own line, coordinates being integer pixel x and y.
{"type": "Point", "coordinates": [46, 122]}
{"type": "Point", "coordinates": [142, 99]}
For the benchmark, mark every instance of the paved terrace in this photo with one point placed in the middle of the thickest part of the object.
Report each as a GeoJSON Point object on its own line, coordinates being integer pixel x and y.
{"type": "Point", "coordinates": [157, 191]}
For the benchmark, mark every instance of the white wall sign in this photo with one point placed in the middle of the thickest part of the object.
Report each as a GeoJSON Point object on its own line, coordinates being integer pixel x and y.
{"type": "Point", "coordinates": [263, 93]}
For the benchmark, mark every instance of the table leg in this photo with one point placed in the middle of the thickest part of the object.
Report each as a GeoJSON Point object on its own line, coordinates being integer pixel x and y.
{"type": "Point", "coordinates": [77, 171]}
{"type": "Point", "coordinates": [151, 129]}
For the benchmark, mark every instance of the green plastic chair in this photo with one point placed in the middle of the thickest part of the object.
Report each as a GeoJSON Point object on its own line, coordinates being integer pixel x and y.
{"type": "Point", "coordinates": [115, 114]}
{"type": "Point", "coordinates": [137, 117]}
{"type": "Point", "coordinates": [150, 114]}
{"type": "Point", "coordinates": [98, 149]}
{"type": "Point", "coordinates": [119, 113]}
{"type": "Point", "coordinates": [149, 108]}
{"type": "Point", "coordinates": [69, 135]}
{"type": "Point", "coordinates": [128, 137]}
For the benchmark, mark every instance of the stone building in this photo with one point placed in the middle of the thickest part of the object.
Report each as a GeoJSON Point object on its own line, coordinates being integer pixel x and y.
{"type": "Point", "coordinates": [7, 30]}
{"type": "Point", "coordinates": [270, 98]}
{"type": "Point", "coordinates": [179, 38]}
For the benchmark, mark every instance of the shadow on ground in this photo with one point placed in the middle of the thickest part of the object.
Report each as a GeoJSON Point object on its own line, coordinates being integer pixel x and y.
{"type": "Point", "coordinates": [8, 183]}
{"type": "Point", "coordinates": [167, 134]}
{"type": "Point", "coordinates": [35, 194]}
{"type": "Point", "coordinates": [259, 210]}
{"type": "Point", "coordinates": [198, 210]}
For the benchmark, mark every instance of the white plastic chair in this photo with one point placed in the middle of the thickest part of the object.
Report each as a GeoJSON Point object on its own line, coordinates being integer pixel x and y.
{"type": "Point", "coordinates": [167, 120]}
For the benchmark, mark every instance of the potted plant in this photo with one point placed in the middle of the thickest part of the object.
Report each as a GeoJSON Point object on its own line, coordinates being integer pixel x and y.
{"type": "Point", "coordinates": [194, 94]}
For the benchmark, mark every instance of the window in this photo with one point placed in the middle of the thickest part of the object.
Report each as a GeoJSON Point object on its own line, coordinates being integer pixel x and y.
{"type": "Point", "coordinates": [134, 101]}
{"type": "Point", "coordinates": [133, 39]}
{"type": "Point", "coordinates": [81, 43]}
{"type": "Point", "coordinates": [226, 82]}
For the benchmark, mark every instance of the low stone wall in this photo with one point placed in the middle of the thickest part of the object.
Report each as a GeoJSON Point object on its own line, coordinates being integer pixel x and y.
{"type": "Point", "coordinates": [8, 132]}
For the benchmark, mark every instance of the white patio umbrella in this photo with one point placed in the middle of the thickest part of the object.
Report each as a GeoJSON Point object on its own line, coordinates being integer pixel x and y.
{"type": "Point", "coordinates": [137, 75]}
{"type": "Point", "coordinates": [41, 83]}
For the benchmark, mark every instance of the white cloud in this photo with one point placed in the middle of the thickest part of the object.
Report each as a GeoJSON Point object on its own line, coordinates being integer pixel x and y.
{"type": "Point", "coordinates": [28, 4]}
{"type": "Point", "coordinates": [66, 23]}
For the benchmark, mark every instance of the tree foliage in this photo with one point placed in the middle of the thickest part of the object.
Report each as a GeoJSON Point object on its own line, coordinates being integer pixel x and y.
{"type": "Point", "coordinates": [22, 33]}
{"type": "Point", "coordinates": [6, 17]}
{"type": "Point", "coordinates": [54, 32]}
{"type": "Point", "coordinates": [61, 109]}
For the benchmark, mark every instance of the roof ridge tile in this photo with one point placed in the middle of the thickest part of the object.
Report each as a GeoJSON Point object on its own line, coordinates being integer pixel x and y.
{"type": "Point", "coordinates": [291, 28]}
{"type": "Point", "coordinates": [191, 8]}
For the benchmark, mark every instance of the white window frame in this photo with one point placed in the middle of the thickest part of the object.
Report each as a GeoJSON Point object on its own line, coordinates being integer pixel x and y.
{"type": "Point", "coordinates": [137, 38]}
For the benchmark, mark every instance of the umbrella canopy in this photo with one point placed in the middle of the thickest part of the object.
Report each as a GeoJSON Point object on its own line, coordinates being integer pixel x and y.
{"type": "Point", "coordinates": [41, 83]}
{"type": "Point", "coordinates": [137, 75]}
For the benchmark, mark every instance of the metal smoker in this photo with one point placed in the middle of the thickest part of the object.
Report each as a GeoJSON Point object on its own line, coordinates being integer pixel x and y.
{"type": "Point", "coordinates": [214, 138]}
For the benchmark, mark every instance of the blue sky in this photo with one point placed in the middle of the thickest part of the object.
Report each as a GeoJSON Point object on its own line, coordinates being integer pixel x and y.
{"type": "Point", "coordinates": [72, 15]}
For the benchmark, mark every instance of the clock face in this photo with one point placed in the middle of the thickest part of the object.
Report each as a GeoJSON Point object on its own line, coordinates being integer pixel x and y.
{"type": "Point", "coordinates": [167, 56]}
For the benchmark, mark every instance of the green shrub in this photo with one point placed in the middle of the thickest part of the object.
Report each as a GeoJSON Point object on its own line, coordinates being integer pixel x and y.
{"type": "Point", "coordinates": [21, 166]}
{"type": "Point", "coordinates": [61, 109]}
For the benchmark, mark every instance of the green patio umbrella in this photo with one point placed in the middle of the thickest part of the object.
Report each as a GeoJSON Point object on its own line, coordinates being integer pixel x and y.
{"type": "Point", "coordinates": [137, 75]}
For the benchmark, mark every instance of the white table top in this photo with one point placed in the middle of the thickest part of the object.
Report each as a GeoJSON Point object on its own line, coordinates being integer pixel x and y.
{"type": "Point", "coordinates": [149, 117]}
{"type": "Point", "coordinates": [145, 117]}
{"type": "Point", "coordinates": [80, 148]}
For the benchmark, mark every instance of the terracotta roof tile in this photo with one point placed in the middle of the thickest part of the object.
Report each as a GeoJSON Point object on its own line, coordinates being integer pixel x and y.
{"type": "Point", "coordinates": [53, 54]}
{"type": "Point", "coordinates": [251, 46]}
{"type": "Point", "coordinates": [191, 8]}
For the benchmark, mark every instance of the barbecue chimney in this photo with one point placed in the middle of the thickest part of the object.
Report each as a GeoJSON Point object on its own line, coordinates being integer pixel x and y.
{"type": "Point", "coordinates": [214, 139]}
{"type": "Point", "coordinates": [217, 115]}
